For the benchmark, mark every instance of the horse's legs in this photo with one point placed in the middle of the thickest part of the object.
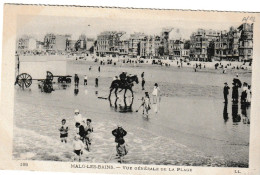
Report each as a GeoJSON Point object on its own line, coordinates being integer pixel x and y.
{"type": "Point", "coordinates": [132, 92]}
{"type": "Point", "coordinates": [111, 89]}
{"type": "Point", "coordinates": [125, 92]}
{"type": "Point", "coordinates": [116, 92]}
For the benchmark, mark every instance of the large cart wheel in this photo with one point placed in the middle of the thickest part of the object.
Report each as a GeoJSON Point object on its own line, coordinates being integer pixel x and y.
{"type": "Point", "coordinates": [49, 76]}
{"type": "Point", "coordinates": [24, 80]}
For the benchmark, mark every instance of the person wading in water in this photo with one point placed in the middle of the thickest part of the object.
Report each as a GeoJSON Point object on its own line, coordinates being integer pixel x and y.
{"type": "Point", "coordinates": [119, 133]}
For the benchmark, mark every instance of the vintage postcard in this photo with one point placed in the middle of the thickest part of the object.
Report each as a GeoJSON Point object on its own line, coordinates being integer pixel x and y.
{"type": "Point", "coordinates": [130, 91]}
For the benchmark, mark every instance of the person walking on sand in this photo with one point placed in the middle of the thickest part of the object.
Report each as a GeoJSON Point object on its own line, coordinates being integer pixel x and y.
{"type": "Point", "coordinates": [96, 82]}
{"type": "Point", "coordinates": [143, 82]}
{"type": "Point", "coordinates": [78, 147]}
{"type": "Point", "coordinates": [86, 80]}
{"type": "Point", "coordinates": [226, 92]}
{"type": "Point", "coordinates": [142, 75]}
{"type": "Point", "coordinates": [155, 92]}
{"type": "Point", "coordinates": [98, 68]}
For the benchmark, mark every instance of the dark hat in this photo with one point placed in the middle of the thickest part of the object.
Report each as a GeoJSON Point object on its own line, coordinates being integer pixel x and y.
{"type": "Point", "coordinates": [225, 83]}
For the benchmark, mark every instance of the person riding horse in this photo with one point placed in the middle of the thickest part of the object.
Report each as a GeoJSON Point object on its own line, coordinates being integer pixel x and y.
{"type": "Point", "coordinates": [126, 82]}
{"type": "Point", "coordinates": [123, 78]}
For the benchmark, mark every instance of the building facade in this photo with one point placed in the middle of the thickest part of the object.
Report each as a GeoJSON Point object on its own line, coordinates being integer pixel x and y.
{"type": "Point", "coordinates": [149, 46]}
{"type": "Point", "coordinates": [246, 42]}
{"type": "Point", "coordinates": [199, 43]}
{"type": "Point", "coordinates": [107, 43]}
{"type": "Point", "coordinates": [56, 43]}
{"type": "Point", "coordinates": [226, 45]}
{"type": "Point", "coordinates": [26, 44]}
{"type": "Point", "coordinates": [123, 47]}
{"type": "Point", "coordinates": [89, 43]}
{"type": "Point", "coordinates": [71, 45]}
{"type": "Point", "coordinates": [165, 40]}
{"type": "Point", "coordinates": [177, 49]}
{"type": "Point", "coordinates": [134, 44]}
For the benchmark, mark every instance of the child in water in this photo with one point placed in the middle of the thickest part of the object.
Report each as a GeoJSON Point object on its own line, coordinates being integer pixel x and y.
{"type": "Point", "coordinates": [89, 130]}
{"type": "Point", "coordinates": [146, 103]}
{"type": "Point", "coordinates": [78, 147]}
{"type": "Point", "coordinates": [63, 131]}
{"type": "Point", "coordinates": [121, 149]}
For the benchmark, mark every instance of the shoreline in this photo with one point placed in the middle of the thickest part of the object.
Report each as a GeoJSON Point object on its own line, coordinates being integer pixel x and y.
{"type": "Point", "coordinates": [173, 63]}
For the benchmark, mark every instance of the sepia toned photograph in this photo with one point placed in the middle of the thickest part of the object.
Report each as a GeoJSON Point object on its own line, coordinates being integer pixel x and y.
{"type": "Point", "coordinates": [121, 90]}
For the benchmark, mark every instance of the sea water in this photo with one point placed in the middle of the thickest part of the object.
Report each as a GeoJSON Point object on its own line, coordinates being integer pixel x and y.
{"type": "Point", "coordinates": [190, 126]}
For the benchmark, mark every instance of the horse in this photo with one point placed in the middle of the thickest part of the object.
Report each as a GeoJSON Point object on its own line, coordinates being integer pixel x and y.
{"type": "Point", "coordinates": [127, 85]}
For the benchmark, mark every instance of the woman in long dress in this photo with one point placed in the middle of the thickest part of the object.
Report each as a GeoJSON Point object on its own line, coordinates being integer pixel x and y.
{"type": "Point", "coordinates": [155, 93]}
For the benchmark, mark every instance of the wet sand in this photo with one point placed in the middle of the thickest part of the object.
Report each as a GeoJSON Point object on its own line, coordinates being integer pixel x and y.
{"type": "Point", "coordinates": [189, 128]}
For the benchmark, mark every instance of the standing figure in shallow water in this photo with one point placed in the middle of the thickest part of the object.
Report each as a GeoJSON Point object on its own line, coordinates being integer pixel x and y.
{"type": "Point", "coordinates": [76, 80]}
{"type": "Point", "coordinates": [155, 93]}
{"type": "Point", "coordinates": [235, 92]}
{"type": "Point", "coordinates": [226, 92]}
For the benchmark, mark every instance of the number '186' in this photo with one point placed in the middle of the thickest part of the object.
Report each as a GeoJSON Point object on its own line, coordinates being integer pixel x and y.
{"type": "Point", "coordinates": [23, 164]}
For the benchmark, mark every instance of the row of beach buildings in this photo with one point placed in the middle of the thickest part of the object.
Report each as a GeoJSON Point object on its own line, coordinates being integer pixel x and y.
{"type": "Point", "coordinates": [205, 45]}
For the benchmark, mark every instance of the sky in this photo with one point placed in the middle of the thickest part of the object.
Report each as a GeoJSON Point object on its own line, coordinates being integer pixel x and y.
{"type": "Point", "coordinates": [38, 26]}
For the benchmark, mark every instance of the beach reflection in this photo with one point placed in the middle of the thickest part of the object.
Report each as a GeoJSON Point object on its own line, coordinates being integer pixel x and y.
{"type": "Point", "coordinates": [225, 112]}
{"type": "Point", "coordinates": [235, 116]}
{"type": "Point", "coordinates": [76, 91]}
{"type": "Point", "coordinates": [122, 104]}
{"type": "Point", "coordinates": [244, 112]}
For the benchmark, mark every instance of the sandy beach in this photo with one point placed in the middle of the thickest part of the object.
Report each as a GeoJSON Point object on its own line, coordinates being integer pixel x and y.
{"type": "Point", "coordinates": [187, 127]}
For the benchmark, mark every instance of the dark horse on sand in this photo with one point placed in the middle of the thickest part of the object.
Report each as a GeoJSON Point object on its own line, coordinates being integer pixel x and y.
{"type": "Point", "coordinates": [123, 85]}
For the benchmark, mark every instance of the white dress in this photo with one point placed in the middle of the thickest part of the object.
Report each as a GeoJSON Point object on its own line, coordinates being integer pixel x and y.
{"type": "Point", "coordinates": [78, 118]}
{"type": "Point", "coordinates": [155, 91]}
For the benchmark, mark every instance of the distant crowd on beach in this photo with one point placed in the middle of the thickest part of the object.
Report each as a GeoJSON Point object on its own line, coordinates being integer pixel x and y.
{"type": "Point", "coordinates": [174, 62]}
